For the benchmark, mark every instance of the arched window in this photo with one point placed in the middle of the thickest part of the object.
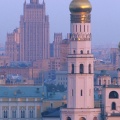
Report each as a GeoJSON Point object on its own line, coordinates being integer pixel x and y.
{"type": "Point", "coordinates": [88, 52]}
{"type": "Point", "coordinates": [95, 118]}
{"type": "Point", "coordinates": [113, 95]}
{"type": "Point", "coordinates": [113, 106]}
{"type": "Point", "coordinates": [81, 52]}
{"type": "Point", "coordinates": [81, 68]}
{"type": "Point", "coordinates": [72, 71]}
{"type": "Point", "coordinates": [89, 68]}
{"type": "Point", "coordinates": [82, 118]}
{"type": "Point", "coordinates": [68, 118]}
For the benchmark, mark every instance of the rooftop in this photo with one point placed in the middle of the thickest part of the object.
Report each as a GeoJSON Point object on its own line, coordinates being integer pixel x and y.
{"type": "Point", "coordinates": [22, 91]}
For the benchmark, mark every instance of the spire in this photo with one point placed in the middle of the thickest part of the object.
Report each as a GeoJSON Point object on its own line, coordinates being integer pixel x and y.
{"type": "Point", "coordinates": [44, 2]}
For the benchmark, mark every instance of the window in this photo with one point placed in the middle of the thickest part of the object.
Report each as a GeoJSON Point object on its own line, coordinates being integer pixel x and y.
{"type": "Point", "coordinates": [72, 92]}
{"type": "Point", "coordinates": [104, 82]}
{"type": "Point", "coordinates": [80, 28]}
{"type": "Point", "coordinates": [88, 52]}
{"type": "Point", "coordinates": [52, 103]}
{"type": "Point", "coordinates": [76, 28]}
{"type": "Point", "coordinates": [89, 68]}
{"type": "Point", "coordinates": [14, 114]}
{"type": "Point", "coordinates": [5, 114]}
{"type": "Point", "coordinates": [22, 114]}
{"type": "Point", "coordinates": [31, 113]}
{"type": "Point", "coordinates": [81, 68]}
{"type": "Point", "coordinates": [68, 118]}
{"type": "Point", "coordinates": [81, 93]}
{"type": "Point", "coordinates": [81, 52]}
{"type": "Point", "coordinates": [99, 82]}
{"type": "Point", "coordinates": [113, 106]}
{"type": "Point", "coordinates": [84, 28]}
{"type": "Point", "coordinates": [72, 69]}
{"type": "Point", "coordinates": [113, 95]}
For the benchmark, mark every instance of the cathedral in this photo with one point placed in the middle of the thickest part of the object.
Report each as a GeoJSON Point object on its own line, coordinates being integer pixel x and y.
{"type": "Point", "coordinates": [80, 96]}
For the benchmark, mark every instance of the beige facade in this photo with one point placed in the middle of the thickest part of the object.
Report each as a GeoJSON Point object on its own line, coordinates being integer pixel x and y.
{"type": "Point", "coordinates": [34, 37]}
{"type": "Point", "coordinates": [41, 64]}
{"type": "Point", "coordinates": [56, 43]}
{"type": "Point", "coordinates": [4, 61]}
{"type": "Point", "coordinates": [64, 50]}
{"type": "Point", "coordinates": [12, 46]}
{"type": "Point", "coordinates": [54, 63]}
{"type": "Point", "coordinates": [28, 73]}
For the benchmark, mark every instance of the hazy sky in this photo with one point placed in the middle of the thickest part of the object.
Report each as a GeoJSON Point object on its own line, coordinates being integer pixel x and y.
{"type": "Point", "coordinates": [105, 18]}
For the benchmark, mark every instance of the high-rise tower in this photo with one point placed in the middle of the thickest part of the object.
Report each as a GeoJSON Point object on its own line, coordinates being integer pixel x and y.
{"type": "Point", "coordinates": [34, 37]}
{"type": "Point", "coordinates": [80, 103]}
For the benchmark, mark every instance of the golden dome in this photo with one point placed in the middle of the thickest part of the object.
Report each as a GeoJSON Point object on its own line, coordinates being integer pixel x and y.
{"type": "Point", "coordinates": [77, 6]}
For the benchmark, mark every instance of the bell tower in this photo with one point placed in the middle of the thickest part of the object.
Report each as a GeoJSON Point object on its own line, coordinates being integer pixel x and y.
{"type": "Point", "coordinates": [80, 102]}
{"type": "Point", "coordinates": [80, 59]}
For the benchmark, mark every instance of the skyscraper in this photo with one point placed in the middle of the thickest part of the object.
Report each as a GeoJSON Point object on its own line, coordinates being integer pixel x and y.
{"type": "Point", "coordinates": [12, 45]}
{"type": "Point", "coordinates": [80, 103]}
{"type": "Point", "coordinates": [34, 37]}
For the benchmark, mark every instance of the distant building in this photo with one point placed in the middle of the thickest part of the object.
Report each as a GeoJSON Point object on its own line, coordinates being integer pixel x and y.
{"type": "Point", "coordinates": [34, 37]}
{"type": "Point", "coordinates": [21, 102]}
{"type": "Point", "coordinates": [28, 73]}
{"type": "Point", "coordinates": [4, 61]}
{"type": "Point", "coordinates": [114, 56]}
{"type": "Point", "coordinates": [61, 78]}
{"type": "Point", "coordinates": [64, 51]}
{"type": "Point", "coordinates": [12, 45]}
{"type": "Point", "coordinates": [56, 43]}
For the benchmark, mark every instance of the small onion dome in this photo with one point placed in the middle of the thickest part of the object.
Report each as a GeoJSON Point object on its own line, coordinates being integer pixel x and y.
{"type": "Point", "coordinates": [77, 6]}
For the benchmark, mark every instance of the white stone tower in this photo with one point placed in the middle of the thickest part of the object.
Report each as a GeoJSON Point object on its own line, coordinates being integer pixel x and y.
{"type": "Point", "coordinates": [80, 103]}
